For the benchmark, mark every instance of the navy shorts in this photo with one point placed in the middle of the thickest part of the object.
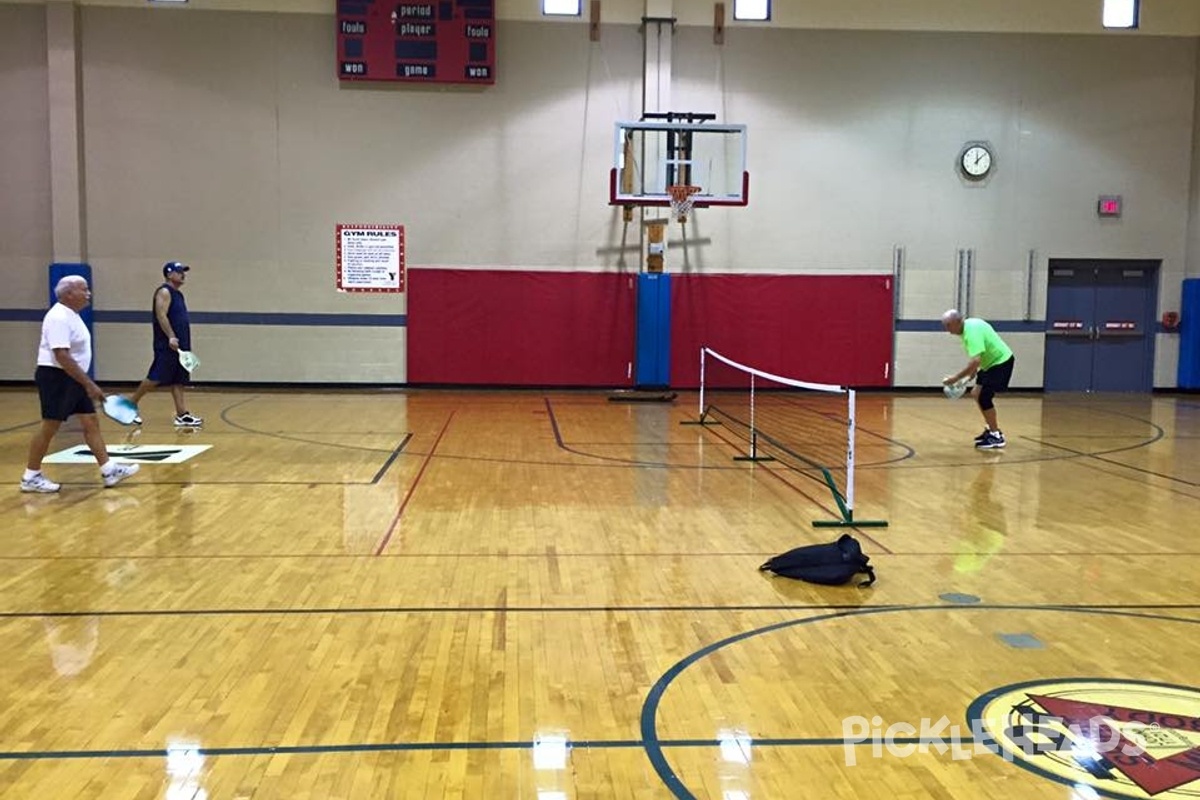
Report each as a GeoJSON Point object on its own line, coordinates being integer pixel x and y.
{"type": "Point", "coordinates": [997, 377]}
{"type": "Point", "coordinates": [166, 370]}
{"type": "Point", "coordinates": [61, 395]}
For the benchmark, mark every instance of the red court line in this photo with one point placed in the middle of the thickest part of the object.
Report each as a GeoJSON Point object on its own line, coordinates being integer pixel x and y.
{"type": "Point", "coordinates": [412, 488]}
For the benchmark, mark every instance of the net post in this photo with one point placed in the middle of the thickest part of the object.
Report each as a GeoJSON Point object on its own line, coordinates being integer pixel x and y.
{"type": "Point", "coordinates": [850, 457]}
{"type": "Point", "coordinates": [753, 427]}
{"type": "Point", "coordinates": [845, 503]}
{"type": "Point", "coordinates": [754, 456]}
{"type": "Point", "coordinates": [703, 419]}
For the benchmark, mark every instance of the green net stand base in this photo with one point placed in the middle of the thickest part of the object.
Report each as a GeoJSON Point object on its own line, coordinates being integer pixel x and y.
{"type": "Point", "coordinates": [847, 520]}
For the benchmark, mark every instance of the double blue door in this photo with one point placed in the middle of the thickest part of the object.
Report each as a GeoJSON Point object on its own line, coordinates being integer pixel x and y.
{"type": "Point", "coordinates": [1100, 326]}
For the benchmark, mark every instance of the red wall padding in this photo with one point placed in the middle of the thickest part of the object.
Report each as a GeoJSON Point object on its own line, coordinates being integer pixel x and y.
{"type": "Point", "coordinates": [514, 328]}
{"type": "Point", "coordinates": [817, 328]}
{"type": "Point", "coordinates": [520, 328]}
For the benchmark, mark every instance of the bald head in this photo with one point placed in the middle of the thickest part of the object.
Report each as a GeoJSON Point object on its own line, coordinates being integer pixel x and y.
{"type": "Point", "coordinates": [72, 292]}
{"type": "Point", "coordinates": [67, 283]}
{"type": "Point", "coordinates": [952, 321]}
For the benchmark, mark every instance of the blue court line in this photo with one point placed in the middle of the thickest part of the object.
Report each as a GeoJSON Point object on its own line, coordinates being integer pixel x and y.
{"type": "Point", "coordinates": [649, 723]}
{"type": "Point", "coordinates": [408, 747]}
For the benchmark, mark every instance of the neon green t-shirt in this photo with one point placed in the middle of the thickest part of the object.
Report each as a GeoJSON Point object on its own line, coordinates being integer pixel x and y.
{"type": "Point", "coordinates": [980, 339]}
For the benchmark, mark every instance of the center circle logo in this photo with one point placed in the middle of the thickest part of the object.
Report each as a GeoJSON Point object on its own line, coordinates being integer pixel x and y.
{"type": "Point", "coordinates": [1125, 739]}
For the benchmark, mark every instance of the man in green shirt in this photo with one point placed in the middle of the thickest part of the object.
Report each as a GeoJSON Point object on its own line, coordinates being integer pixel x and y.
{"type": "Point", "coordinates": [991, 364]}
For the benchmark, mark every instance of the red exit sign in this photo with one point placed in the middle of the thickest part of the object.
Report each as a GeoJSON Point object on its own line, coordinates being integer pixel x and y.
{"type": "Point", "coordinates": [1109, 205]}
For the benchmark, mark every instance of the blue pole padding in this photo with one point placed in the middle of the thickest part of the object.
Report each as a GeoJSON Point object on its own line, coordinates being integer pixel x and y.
{"type": "Point", "coordinates": [1189, 335]}
{"type": "Point", "coordinates": [653, 361]}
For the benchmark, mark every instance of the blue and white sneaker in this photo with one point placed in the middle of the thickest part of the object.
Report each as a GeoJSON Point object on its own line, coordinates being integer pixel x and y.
{"type": "Point", "coordinates": [993, 440]}
{"type": "Point", "coordinates": [115, 473]}
{"type": "Point", "coordinates": [39, 483]}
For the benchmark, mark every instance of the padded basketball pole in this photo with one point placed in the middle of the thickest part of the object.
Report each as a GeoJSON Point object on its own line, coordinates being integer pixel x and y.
{"type": "Point", "coordinates": [653, 350]}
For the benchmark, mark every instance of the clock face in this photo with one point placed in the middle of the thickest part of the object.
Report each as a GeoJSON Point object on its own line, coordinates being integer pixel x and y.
{"type": "Point", "coordinates": [976, 161]}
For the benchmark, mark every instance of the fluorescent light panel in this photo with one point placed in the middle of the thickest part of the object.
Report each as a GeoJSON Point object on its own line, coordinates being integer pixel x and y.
{"type": "Point", "coordinates": [755, 10]}
{"type": "Point", "coordinates": [562, 8]}
{"type": "Point", "coordinates": [1121, 13]}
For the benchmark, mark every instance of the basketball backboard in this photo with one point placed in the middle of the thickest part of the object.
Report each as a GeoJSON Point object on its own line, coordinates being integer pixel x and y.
{"type": "Point", "coordinates": [651, 156]}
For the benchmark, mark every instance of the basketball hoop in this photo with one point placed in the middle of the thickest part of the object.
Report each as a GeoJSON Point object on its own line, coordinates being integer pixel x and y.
{"type": "Point", "coordinates": [682, 199]}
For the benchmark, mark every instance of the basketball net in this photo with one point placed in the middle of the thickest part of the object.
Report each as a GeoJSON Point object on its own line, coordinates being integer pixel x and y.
{"type": "Point", "coordinates": [682, 200]}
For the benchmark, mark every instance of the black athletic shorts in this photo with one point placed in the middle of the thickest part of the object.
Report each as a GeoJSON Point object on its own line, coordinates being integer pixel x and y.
{"type": "Point", "coordinates": [61, 395]}
{"type": "Point", "coordinates": [166, 370]}
{"type": "Point", "coordinates": [997, 377]}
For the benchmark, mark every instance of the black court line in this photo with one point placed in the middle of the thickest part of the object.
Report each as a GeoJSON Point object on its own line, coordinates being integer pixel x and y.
{"type": "Point", "coordinates": [558, 439]}
{"type": "Point", "coordinates": [909, 451]}
{"type": "Point", "coordinates": [20, 426]}
{"type": "Point", "coordinates": [338, 610]}
{"type": "Point", "coordinates": [612, 461]}
{"type": "Point", "coordinates": [649, 716]}
{"type": "Point", "coordinates": [409, 747]}
{"type": "Point", "coordinates": [562, 445]}
{"type": "Point", "coordinates": [1100, 457]}
{"type": "Point", "coordinates": [392, 458]}
{"type": "Point", "coordinates": [224, 415]}
{"type": "Point", "coordinates": [674, 555]}
{"type": "Point", "coordinates": [653, 746]}
{"type": "Point", "coordinates": [1005, 458]}
{"type": "Point", "coordinates": [387, 537]}
{"type": "Point", "coordinates": [818, 503]}
{"type": "Point", "coordinates": [779, 475]}
{"type": "Point", "coordinates": [606, 462]}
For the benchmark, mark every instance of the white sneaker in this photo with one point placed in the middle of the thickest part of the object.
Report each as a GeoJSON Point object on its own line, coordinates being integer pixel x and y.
{"type": "Point", "coordinates": [118, 473]}
{"type": "Point", "coordinates": [188, 420]}
{"type": "Point", "coordinates": [39, 483]}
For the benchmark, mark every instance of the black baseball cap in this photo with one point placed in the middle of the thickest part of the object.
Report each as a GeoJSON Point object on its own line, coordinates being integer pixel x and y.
{"type": "Point", "coordinates": [174, 266]}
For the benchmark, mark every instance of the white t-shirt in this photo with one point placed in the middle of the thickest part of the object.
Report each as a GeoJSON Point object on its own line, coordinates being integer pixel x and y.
{"type": "Point", "coordinates": [63, 327]}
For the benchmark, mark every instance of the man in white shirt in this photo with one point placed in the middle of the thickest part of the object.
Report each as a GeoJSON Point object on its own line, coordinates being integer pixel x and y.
{"type": "Point", "coordinates": [64, 388]}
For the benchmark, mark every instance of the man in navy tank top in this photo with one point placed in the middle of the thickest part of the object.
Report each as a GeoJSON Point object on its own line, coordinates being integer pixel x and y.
{"type": "Point", "coordinates": [172, 333]}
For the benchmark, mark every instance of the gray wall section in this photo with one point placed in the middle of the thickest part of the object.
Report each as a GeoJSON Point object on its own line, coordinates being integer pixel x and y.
{"type": "Point", "coordinates": [224, 139]}
{"type": "Point", "coordinates": [25, 223]}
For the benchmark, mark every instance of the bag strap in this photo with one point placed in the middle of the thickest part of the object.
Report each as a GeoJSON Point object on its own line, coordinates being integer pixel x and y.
{"type": "Point", "coordinates": [870, 576]}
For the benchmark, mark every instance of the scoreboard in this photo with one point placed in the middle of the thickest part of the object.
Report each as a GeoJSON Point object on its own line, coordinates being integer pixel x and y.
{"type": "Point", "coordinates": [441, 41]}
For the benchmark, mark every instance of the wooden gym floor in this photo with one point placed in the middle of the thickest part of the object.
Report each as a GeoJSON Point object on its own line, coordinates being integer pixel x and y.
{"type": "Point", "coordinates": [548, 595]}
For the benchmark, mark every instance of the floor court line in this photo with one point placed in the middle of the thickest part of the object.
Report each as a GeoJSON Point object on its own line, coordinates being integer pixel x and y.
{"type": "Point", "coordinates": [848, 607]}
{"type": "Point", "coordinates": [387, 537]}
{"type": "Point", "coordinates": [510, 556]}
{"type": "Point", "coordinates": [649, 716]}
{"type": "Point", "coordinates": [403, 747]}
